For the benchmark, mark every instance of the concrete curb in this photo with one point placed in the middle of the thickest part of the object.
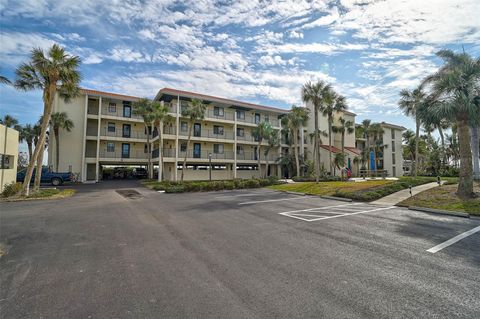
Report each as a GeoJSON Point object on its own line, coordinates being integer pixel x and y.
{"type": "Point", "coordinates": [295, 193]}
{"type": "Point", "coordinates": [439, 211]}
{"type": "Point", "coordinates": [341, 199]}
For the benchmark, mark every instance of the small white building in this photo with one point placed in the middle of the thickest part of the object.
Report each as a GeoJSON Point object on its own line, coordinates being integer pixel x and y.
{"type": "Point", "coordinates": [9, 155]}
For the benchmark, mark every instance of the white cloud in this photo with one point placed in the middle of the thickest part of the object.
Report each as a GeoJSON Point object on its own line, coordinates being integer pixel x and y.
{"type": "Point", "coordinates": [16, 46]}
{"type": "Point", "coordinates": [322, 48]}
{"type": "Point", "coordinates": [295, 35]}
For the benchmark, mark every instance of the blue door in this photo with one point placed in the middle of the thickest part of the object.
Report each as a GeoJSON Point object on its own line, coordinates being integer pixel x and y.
{"type": "Point", "coordinates": [372, 161]}
{"type": "Point", "coordinates": [197, 150]}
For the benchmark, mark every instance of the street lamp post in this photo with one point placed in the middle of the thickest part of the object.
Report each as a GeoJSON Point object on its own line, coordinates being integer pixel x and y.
{"type": "Point", "coordinates": [210, 166]}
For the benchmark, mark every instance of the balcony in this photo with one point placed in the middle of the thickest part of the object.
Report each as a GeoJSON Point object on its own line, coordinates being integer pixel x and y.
{"type": "Point", "coordinates": [204, 154]}
{"type": "Point", "coordinates": [119, 155]}
{"type": "Point", "coordinates": [167, 152]}
{"type": "Point", "coordinates": [252, 156]}
{"type": "Point", "coordinates": [118, 133]}
{"type": "Point", "coordinates": [227, 135]}
{"type": "Point", "coordinates": [228, 116]}
{"type": "Point", "coordinates": [119, 113]}
{"type": "Point", "coordinates": [251, 120]}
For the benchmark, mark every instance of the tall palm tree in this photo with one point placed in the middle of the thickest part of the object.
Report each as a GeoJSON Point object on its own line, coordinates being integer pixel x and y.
{"type": "Point", "coordinates": [295, 121]}
{"type": "Point", "coordinates": [143, 108]}
{"type": "Point", "coordinates": [456, 86]}
{"type": "Point", "coordinates": [339, 162]}
{"type": "Point", "coordinates": [273, 141]}
{"type": "Point", "coordinates": [4, 80]}
{"type": "Point", "coordinates": [160, 117]}
{"type": "Point", "coordinates": [334, 103]}
{"type": "Point", "coordinates": [410, 103]}
{"type": "Point", "coordinates": [376, 131]}
{"type": "Point", "coordinates": [9, 121]}
{"type": "Point", "coordinates": [52, 72]}
{"type": "Point", "coordinates": [59, 121]}
{"type": "Point", "coordinates": [315, 93]}
{"type": "Point", "coordinates": [345, 127]}
{"type": "Point", "coordinates": [27, 135]}
{"type": "Point", "coordinates": [194, 112]}
{"type": "Point", "coordinates": [260, 132]}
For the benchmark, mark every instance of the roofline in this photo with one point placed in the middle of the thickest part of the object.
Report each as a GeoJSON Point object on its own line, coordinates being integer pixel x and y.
{"type": "Point", "coordinates": [108, 94]}
{"type": "Point", "coordinates": [221, 100]}
{"type": "Point", "coordinates": [393, 126]}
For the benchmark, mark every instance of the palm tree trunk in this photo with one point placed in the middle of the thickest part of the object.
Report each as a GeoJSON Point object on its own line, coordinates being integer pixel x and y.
{"type": "Point", "coordinates": [475, 150]}
{"type": "Point", "coordinates": [48, 107]}
{"type": "Point", "coordinates": [295, 151]}
{"type": "Point", "coordinates": [149, 153]}
{"type": "Point", "coordinates": [30, 151]}
{"type": "Point", "coordinates": [258, 157]}
{"type": "Point", "coordinates": [444, 153]}
{"type": "Point", "coordinates": [57, 148]}
{"type": "Point", "coordinates": [266, 165]}
{"type": "Point", "coordinates": [417, 138]}
{"type": "Point", "coordinates": [330, 144]}
{"type": "Point", "coordinates": [184, 165]}
{"type": "Point", "coordinates": [38, 172]}
{"type": "Point", "coordinates": [160, 151]}
{"type": "Point", "coordinates": [465, 184]}
{"type": "Point", "coordinates": [316, 156]}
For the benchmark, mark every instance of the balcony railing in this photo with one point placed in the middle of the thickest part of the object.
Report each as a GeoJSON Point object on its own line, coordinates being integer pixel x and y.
{"type": "Point", "coordinates": [204, 154]}
{"type": "Point", "coordinates": [252, 156]}
{"type": "Point", "coordinates": [118, 133]}
{"type": "Point", "coordinates": [120, 155]}
{"type": "Point", "coordinates": [167, 152]}
{"type": "Point", "coordinates": [229, 116]}
{"type": "Point", "coordinates": [227, 135]}
{"type": "Point", "coordinates": [252, 120]}
{"type": "Point", "coordinates": [119, 113]}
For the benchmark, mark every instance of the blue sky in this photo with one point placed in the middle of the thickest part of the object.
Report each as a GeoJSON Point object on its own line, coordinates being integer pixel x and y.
{"type": "Point", "coordinates": [257, 51]}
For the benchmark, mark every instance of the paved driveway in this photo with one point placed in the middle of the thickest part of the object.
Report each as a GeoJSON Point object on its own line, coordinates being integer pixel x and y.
{"type": "Point", "coordinates": [241, 254]}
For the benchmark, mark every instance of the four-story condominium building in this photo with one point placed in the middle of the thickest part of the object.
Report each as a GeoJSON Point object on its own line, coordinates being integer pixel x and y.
{"type": "Point", "coordinates": [108, 133]}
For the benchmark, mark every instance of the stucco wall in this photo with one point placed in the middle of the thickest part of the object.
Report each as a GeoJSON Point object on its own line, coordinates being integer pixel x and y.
{"type": "Point", "coordinates": [8, 146]}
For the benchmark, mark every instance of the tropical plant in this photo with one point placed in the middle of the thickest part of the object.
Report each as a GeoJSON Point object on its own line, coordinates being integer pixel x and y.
{"type": "Point", "coordinates": [55, 71]}
{"type": "Point", "coordinates": [27, 135]}
{"type": "Point", "coordinates": [295, 121]}
{"type": "Point", "coordinates": [143, 108]}
{"type": "Point", "coordinates": [59, 121]}
{"type": "Point", "coordinates": [9, 121]}
{"type": "Point", "coordinates": [345, 127]}
{"type": "Point", "coordinates": [315, 93]}
{"type": "Point", "coordinates": [455, 85]}
{"type": "Point", "coordinates": [194, 112]}
{"type": "Point", "coordinates": [273, 141]}
{"type": "Point", "coordinates": [160, 117]}
{"type": "Point", "coordinates": [287, 162]}
{"type": "Point", "coordinates": [339, 162]}
{"type": "Point", "coordinates": [410, 103]}
{"type": "Point", "coordinates": [4, 80]}
{"type": "Point", "coordinates": [377, 131]}
{"type": "Point", "coordinates": [333, 103]}
{"type": "Point", "coordinates": [261, 132]}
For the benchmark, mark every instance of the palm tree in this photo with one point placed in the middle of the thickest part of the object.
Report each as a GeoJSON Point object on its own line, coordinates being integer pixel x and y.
{"type": "Point", "coordinates": [58, 121]}
{"type": "Point", "coordinates": [273, 141]}
{"type": "Point", "coordinates": [160, 117]}
{"type": "Point", "coordinates": [260, 132]}
{"type": "Point", "coordinates": [376, 131]}
{"type": "Point", "coordinates": [4, 80]}
{"type": "Point", "coordinates": [410, 103]}
{"type": "Point", "coordinates": [315, 93]}
{"type": "Point", "coordinates": [143, 108]}
{"type": "Point", "coordinates": [345, 127]}
{"type": "Point", "coordinates": [295, 121]}
{"type": "Point", "coordinates": [339, 162]}
{"type": "Point", "coordinates": [9, 121]}
{"type": "Point", "coordinates": [27, 135]}
{"type": "Point", "coordinates": [334, 103]}
{"type": "Point", "coordinates": [456, 86]}
{"type": "Point", "coordinates": [194, 112]}
{"type": "Point", "coordinates": [55, 71]}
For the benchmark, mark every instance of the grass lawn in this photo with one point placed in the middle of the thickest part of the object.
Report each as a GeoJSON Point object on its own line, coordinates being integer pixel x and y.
{"type": "Point", "coordinates": [329, 188]}
{"type": "Point", "coordinates": [445, 198]}
{"type": "Point", "coordinates": [43, 193]}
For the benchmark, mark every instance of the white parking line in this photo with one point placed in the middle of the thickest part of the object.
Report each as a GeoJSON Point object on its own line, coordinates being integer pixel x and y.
{"type": "Point", "coordinates": [453, 240]}
{"type": "Point", "coordinates": [293, 214]}
{"type": "Point", "coordinates": [274, 200]}
{"type": "Point", "coordinates": [318, 208]}
{"type": "Point", "coordinates": [241, 195]}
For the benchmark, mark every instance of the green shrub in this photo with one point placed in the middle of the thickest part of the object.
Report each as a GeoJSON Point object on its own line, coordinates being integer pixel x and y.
{"type": "Point", "coordinates": [175, 189]}
{"type": "Point", "coordinates": [205, 186]}
{"type": "Point", "coordinates": [11, 189]}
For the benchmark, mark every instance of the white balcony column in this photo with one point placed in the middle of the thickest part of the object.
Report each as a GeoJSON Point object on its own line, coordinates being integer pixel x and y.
{"type": "Point", "coordinates": [97, 166]}
{"type": "Point", "coordinates": [235, 145]}
{"type": "Point", "coordinates": [83, 168]}
{"type": "Point", "coordinates": [177, 129]}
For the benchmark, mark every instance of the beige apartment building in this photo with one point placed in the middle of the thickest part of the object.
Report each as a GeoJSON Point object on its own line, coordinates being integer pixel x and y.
{"type": "Point", "coordinates": [107, 133]}
{"type": "Point", "coordinates": [9, 155]}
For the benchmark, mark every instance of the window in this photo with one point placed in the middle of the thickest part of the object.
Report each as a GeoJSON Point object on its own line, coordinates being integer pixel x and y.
{"type": "Point", "coordinates": [257, 118]}
{"type": "Point", "coordinates": [110, 147]}
{"type": "Point", "coordinates": [125, 150]}
{"type": "Point", "coordinates": [218, 148]}
{"type": "Point", "coordinates": [126, 130]}
{"type": "Point", "coordinates": [218, 130]}
{"type": "Point", "coordinates": [240, 132]}
{"type": "Point", "coordinates": [184, 127]}
{"type": "Point", "coordinates": [111, 127]}
{"type": "Point", "coordinates": [127, 111]}
{"type": "Point", "coordinates": [112, 107]}
{"type": "Point", "coordinates": [183, 147]}
{"type": "Point", "coordinates": [393, 159]}
{"type": "Point", "coordinates": [267, 119]}
{"type": "Point", "coordinates": [394, 171]}
{"type": "Point", "coordinates": [218, 111]}
{"type": "Point", "coordinates": [240, 115]}
{"type": "Point", "coordinates": [393, 134]}
{"type": "Point", "coordinates": [240, 149]}
{"type": "Point", "coordinates": [145, 148]}
{"type": "Point", "coordinates": [7, 161]}
{"type": "Point", "coordinates": [393, 146]}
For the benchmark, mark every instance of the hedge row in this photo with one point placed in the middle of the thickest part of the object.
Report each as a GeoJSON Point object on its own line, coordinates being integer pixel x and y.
{"type": "Point", "coordinates": [384, 190]}
{"type": "Point", "coordinates": [205, 186]}
{"type": "Point", "coordinates": [312, 179]}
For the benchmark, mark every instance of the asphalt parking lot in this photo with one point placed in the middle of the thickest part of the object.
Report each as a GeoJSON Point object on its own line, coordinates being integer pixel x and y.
{"type": "Point", "coordinates": [238, 254]}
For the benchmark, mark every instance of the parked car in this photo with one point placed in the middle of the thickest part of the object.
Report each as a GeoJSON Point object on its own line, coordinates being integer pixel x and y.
{"type": "Point", "coordinates": [140, 172]}
{"type": "Point", "coordinates": [48, 177]}
{"type": "Point", "coordinates": [121, 172]}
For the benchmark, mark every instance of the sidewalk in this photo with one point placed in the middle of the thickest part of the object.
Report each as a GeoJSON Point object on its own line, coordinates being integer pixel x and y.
{"type": "Point", "coordinates": [397, 197]}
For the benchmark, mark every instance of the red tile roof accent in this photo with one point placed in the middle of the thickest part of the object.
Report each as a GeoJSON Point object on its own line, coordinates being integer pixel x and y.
{"type": "Point", "coordinates": [109, 94]}
{"type": "Point", "coordinates": [353, 150]}
{"type": "Point", "coordinates": [334, 149]}
{"type": "Point", "coordinates": [221, 99]}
